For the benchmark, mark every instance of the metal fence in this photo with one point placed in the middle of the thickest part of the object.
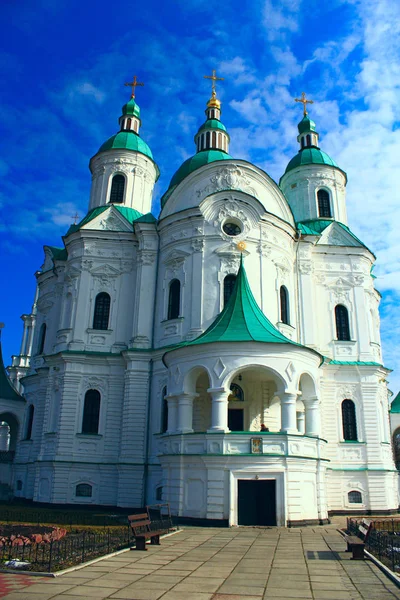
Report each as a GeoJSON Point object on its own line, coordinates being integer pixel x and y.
{"type": "Point", "coordinates": [60, 517]}
{"type": "Point", "coordinates": [71, 550]}
{"type": "Point", "coordinates": [383, 541]}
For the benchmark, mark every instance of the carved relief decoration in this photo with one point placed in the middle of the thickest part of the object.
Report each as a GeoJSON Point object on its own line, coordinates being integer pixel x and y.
{"type": "Point", "coordinates": [228, 178]}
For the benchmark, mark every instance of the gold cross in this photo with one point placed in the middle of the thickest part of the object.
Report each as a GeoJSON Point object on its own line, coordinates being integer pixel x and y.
{"type": "Point", "coordinates": [304, 102]}
{"type": "Point", "coordinates": [133, 84]}
{"type": "Point", "coordinates": [75, 218]}
{"type": "Point", "coordinates": [214, 78]}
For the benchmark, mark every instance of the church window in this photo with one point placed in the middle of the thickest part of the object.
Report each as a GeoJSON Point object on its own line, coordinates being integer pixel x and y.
{"type": "Point", "coordinates": [349, 421]}
{"type": "Point", "coordinates": [19, 485]}
{"type": "Point", "coordinates": [302, 142]}
{"type": "Point", "coordinates": [159, 493]}
{"type": "Point", "coordinates": [229, 285]}
{"type": "Point", "coordinates": [42, 338]}
{"type": "Point", "coordinates": [174, 299]}
{"type": "Point", "coordinates": [284, 301]}
{"type": "Point", "coordinates": [214, 139]}
{"type": "Point", "coordinates": [101, 311]}
{"type": "Point", "coordinates": [91, 412]}
{"type": "Point", "coordinates": [232, 229]}
{"type": "Point", "coordinates": [29, 422]}
{"type": "Point", "coordinates": [208, 136]}
{"type": "Point", "coordinates": [355, 497]}
{"type": "Point", "coordinates": [308, 140]}
{"type": "Point", "coordinates": [117, 189]}
{"type": "Point", "coordinates": [342, 323]}
{"type": "Point", "coordinates": [129, 124]}
{"type": "Point", "coordinates": [396, 448]}
{"type": "Point", "coordinates": [324, 205]}
{"type": "Point", "coordinates": [83, 490]}
{"type": "Point", "coordinates": [164, 413]}
{"type": "Point", "coordinates": [202, 142]}
{"type": "Point", "coordinates": [220, 140]}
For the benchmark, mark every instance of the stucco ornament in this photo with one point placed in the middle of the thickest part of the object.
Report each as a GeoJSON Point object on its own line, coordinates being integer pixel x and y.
{"type": "Point", "coordinates": [230, 177]}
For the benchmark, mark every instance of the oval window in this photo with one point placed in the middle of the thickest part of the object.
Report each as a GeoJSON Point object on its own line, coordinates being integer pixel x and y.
{"type": "Point", "coordinates": [231, 229]}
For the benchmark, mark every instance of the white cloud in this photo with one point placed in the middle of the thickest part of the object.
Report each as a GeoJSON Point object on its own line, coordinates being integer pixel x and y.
{"type": "Point", "coordinates": [87, 89]}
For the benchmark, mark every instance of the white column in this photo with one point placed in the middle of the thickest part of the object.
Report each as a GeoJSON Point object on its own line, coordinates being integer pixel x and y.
{"type": "Point", "coordinates": [219, 409]}
{"type": "Point", "coordinates": [185, 413]}
{"type": "Point", "coordinates": [313, 422]}
{"type": "Point", "coordinates": [288, 413]}
{"type": "Point", "coordinates": [172, 414]}
{"type": "Point", "coordinates": [300, 417]}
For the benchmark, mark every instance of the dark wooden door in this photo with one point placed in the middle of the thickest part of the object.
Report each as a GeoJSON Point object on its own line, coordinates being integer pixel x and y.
{"type": "Point", "coordinates": [256, 502]}
{"type": "Point", "coordinates": [235, 419]}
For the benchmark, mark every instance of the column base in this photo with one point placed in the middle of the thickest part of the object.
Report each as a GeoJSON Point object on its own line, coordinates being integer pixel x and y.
{"type": "Point", "coordinates": [290, 431]}
{"type": "Point", "coordinates": [218, 430]}
{"type": "Point", "coordinates": [184, 430]}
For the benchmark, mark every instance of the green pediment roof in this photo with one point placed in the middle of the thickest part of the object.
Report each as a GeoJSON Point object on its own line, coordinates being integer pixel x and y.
{"type": "Point", "coordinates": [58, 253]}
{"type": "Point", "coordinates": [317, 226]}
{"type": "Point", "coordinates": [310, 156]}
{"type": "Point", "coordinates": [130, 214]}
{"type": "Point", "coordinates": [242, 320]}
{"type": "Point", "coordinates": [7, 390]}
{"type": "Point", "coordinates": [200, 159]}
{"type": "Point", "coordinates": [395, 406]}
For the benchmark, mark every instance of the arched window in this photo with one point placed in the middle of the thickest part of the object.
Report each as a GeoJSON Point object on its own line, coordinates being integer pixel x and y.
{"type": "Point", "coordinates": [302, 142]}
{"type": "Point", "coordinates": [396, 448]}
{"type": "Point", "coordinates": [229, 286]}
{"type": "Point", "coordinates": [83, 490]}
{"type": "Point", "coordinates": [324, 205]}
{"type": "Point", "coordinates": [214, 139]}
{"type": "Point", "coordinates": [159, 491]}
{"type": "Point", "coordinates": [219, 140]}
{"type": "Point", "coordinates": [208, 136]}
{"type": "Point", "coordinates": [91, 412]}
{"type": "Point", "coordinates": [342, 323]}
{"type": "Point", "coordinates": [19, 485]}
{"type": "Point", "coordinates": [42, 338]}
{"type": "Point", "coordinates": [129, 124]}
{"type": "Point", "coordinates": [236, 393]}
{"type": "Point", "coordinates": [355, 497]}
{"type": "Point", "coordinates": [202, 142]}
{"type": "Point", "coordinates": [174, 299]}
{"type": "Point", "coordinates": [308, 140]}
{"type": "Point", "coordinates": [349, 421]}
{"type": "Point", "coordinates": [29, 422]}
{"type": "Point", "coordinates": [117, 189]}
{"type": "Point", "coordinates": [101, 311]}
{"type": "Point", "coordinates": [164, 413]}
{"type": "Point", "coordinates": [284, 301]}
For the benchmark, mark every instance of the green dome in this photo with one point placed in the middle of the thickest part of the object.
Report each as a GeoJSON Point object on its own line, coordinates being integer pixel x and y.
{"type": "Point", "coordinates": [200, 159]}
{"type": "Point", "coordinates": [131, 109]}
{"type": "Point", "coordinates": [306, 124]}
{"type": "Point", "coordinates": [127, 140]}
{"type": "Point", "coordinates": [310, 156]}
{"type": "Point", "coordinates": [212, 124]}
{"type": "Point", "coordinates": [195, 162]}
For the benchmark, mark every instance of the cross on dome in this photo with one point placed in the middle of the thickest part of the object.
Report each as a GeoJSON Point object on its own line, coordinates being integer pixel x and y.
{"type": "Point", "coordinates": [133, 84]}
{"type": "Point", "coordinates": [213, 78]}
{"type": "Point", "coordinates": [304, 102]}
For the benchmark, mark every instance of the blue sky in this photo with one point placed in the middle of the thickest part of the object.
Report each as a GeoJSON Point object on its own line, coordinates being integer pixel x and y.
{"type": "Point", "coordinates": [63, 65]}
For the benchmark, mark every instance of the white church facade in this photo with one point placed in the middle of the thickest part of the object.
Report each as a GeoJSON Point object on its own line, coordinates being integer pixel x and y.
{"type": "Point", "coordinates": [224, 357]}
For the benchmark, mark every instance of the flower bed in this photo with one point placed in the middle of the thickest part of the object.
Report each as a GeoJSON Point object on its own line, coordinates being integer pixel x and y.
{"type": "Point", "coordinates": [19, 535]}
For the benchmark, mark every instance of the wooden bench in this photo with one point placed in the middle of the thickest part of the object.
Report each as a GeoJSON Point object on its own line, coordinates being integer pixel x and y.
{"type": "Point", "coordinates": [356, 544]}
{"type": "Point", "coordinates": [140, 525]}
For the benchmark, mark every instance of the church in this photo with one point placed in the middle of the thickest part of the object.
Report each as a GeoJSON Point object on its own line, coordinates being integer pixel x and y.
{"type": "Point", "coordinates": [224, 357]}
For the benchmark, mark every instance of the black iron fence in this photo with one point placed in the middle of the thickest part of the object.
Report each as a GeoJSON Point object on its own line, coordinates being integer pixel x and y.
{"type": "Point", "coordinates": [73, 549]}
{"type": "Point", "coordinates": [60, 517]}
{"type": "Point", "coordinates": [383, 541]}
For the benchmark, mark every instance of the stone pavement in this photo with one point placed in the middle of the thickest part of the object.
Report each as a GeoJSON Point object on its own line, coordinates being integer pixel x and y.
{"type": "Point", "coordinates": [225, 564]}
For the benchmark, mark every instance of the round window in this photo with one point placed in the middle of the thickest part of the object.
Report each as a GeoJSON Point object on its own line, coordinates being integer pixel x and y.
{"type": "Point", "coordinates": [231, 229]}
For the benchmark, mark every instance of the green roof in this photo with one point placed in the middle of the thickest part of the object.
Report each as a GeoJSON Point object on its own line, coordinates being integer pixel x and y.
{"type": "Point", "coordinates": [395, 406]}
{"type": "Point", "coordinates": [127, 140]}
{"type": "Point", "coordinates": [310, 156]}
{"type": "Point", "coordinates": [131, 109]}
{"type": "Point", "coordinates": [130, 214]}
{"type": "Point", "coordinates": [317, 226]}
{"type": "Point", "coordinates": [200, 159]}
{"type": "Point", "coordinates": [356, 363]}
{"type": "Point", "coordinates": [58, 253]}
{"type": "Point", "coordinates": [306, 124]}
{"type": "Point", "coordinates": [7, 390]}
{"type": "Point", "coordinates": [212, 124]}
{"type": "Point", "coordinates": [242, 320]}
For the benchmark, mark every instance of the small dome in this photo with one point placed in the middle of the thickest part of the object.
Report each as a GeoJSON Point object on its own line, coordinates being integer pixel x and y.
{"type": "Point", "coordinates": [131, 109]}
{"type": "Point", "coordinates": [310, 156]}
{"type": "Point", "coordinates": [127, 140]}
{"type": "Point", "coordinates": [306, 124]}
{"type": "Point", "coordinates": [212, 124]}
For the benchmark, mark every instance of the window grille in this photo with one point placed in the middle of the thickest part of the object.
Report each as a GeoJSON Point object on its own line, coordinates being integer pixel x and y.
{"type": "Point", "coordinates": [284, 300]}
{"type": "Point", "coordinates": [101, 311]}
{"type": "Point", "coordinates": [355, 497]}
{"type": "Point", "coordinates": [342, 323]}
{"type": "Point", "coordinates": [117, 189]}
{"type": "Point", "coordinates": [83, 490]}
{"type": "Point", "coordinates": [324, 205]}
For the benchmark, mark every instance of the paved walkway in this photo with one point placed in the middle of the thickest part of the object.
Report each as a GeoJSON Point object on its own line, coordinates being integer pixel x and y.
{"type": "Point", "coordinates": [225, 564]}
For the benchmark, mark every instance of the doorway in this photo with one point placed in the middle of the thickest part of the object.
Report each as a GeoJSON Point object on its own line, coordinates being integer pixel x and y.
{"type": "Point", "coordinates": [236, 419]}
{"type": "Point", "coordinates": [256, 502]}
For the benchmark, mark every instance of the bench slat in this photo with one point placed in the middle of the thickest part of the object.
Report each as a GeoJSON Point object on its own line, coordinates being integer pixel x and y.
{"type": "Point", "coordinates": [138, 517]}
